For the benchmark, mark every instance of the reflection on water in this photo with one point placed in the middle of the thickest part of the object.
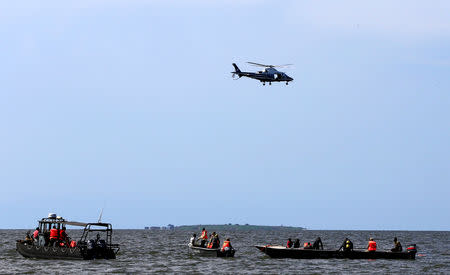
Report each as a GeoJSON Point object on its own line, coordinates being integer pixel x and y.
{"type": "Point", "coordinates": [167, 251]}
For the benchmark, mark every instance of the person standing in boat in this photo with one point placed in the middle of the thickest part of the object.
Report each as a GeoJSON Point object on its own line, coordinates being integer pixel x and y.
{"type": "Point", "coordinates": [397, 246]}
{"type": "Point", "coordinates": [347, 245]}
{"type": "Point", "coordinates": [372, 246]}
{"type": "Point", "coordinates": [289, 243]}
{"type": "Point", "coordinates": [203, 237]}
{"type": "Point", "coordinates": [318, 244]}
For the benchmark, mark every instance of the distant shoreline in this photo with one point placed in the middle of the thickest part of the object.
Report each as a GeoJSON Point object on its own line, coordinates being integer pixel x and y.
{"type": "Point", "coordinates": [236, 227]}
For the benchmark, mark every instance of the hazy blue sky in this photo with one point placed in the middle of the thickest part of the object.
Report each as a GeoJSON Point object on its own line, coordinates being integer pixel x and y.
{"type": "Point", "coordinates": [130, 105]}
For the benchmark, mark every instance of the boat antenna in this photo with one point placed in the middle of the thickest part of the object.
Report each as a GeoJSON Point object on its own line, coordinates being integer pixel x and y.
{"type": "Point", "coordinates": [100, 217]}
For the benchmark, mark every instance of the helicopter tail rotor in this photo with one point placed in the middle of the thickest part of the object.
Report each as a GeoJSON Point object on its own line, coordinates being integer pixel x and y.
{"type": "Point", "coordinates": [236, 68]}
{"type": "Point", "coordinates": [237, 72]}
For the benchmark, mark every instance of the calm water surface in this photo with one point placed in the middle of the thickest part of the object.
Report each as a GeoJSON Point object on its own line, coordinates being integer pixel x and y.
{"type": "Point", "coordinates": [145, 251]}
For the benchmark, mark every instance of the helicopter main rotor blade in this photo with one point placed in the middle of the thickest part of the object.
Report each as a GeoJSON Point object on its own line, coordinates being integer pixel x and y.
{"type": "Point", "coordinates": [283, 66]}
{"type": "Point", "coordinates": [269, 66]}
{"type": "Point", "coordinates": [260, 65]}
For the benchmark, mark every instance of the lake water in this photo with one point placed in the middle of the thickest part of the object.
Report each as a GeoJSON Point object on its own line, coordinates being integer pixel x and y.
{"type": "Point", "coordinates": [147, 251]}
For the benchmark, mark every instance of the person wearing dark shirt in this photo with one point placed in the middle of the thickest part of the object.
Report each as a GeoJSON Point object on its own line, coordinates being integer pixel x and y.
{"type": "Point", "coordinates": [318, 244]}
{"type": "Point", "coordinates": [346, 246]}
{"type": "Point", "coordinates": [397, 246]}
{"type": "Point", "coordinates": [297, 243]}
{"type": "Point", "coordinates": [289, 243]}
{"type": "Point", "coordinates": [216, 241]}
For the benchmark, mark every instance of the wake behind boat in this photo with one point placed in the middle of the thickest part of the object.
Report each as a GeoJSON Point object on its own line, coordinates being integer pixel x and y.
{"type": "Point", "coordinates": [50, 241]}
{"type": "Point", "coordinates": [300, 253]}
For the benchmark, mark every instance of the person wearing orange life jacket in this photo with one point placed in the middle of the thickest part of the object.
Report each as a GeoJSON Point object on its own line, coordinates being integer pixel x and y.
{"type": "Point", "coordinates": [226, 246]}
{"type": "Point", "coordinates": [214, 241]}
{"type": "Point", "coordinates": [54, 235]}
{"type": "Point", "coordinates": [211, 240]}
{"type": "Point", "coordinates": [307, 245]}
{"type": "Point", "coordinates": [36, 234]}
{"type": "Point", "coordinates": [203, 237]}
{"type": "Point", "coordinates": [372, 246]}
{"type": "Point", "coordinates": [204, 234]}
{"type": "Point", "coordinates": [62, 235]}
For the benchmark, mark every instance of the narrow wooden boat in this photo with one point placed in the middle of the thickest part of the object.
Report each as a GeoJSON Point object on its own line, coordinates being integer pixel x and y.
{"type": "Point", "coordinates": [85, 248]}
{"type": "Point", "coordinates": [300, 253]}
{"type": "Point", "coordinates": [210, 252]}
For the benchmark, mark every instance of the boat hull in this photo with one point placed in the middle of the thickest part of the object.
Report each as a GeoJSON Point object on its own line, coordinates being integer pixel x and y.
{"type": "Point", "coordinates": [62, 253]}
{"type": "Point", "coordinates": [300, 253]}
{"type": "Point", "coordinates": [209, 252]}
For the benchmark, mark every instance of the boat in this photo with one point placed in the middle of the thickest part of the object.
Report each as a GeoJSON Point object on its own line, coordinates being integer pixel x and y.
{"type": "Point", "coordinates": [86, 248]}
{"type": "Point", "coordinates": [300, 253]}
{"type": "Point", "coordinates": [210, 252]}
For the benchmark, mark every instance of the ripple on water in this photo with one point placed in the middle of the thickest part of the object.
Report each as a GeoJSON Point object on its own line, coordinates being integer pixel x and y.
{"type": "Point", "coordinates": [144, 251]}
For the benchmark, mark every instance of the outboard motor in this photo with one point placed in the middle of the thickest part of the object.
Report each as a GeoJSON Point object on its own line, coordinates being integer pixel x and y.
{"type": "Point", "coordinates": [101, 249]}
{"type": "Point", "coordinates": [411, 248]}
{"type": "Point", "coordinates": [91, 245]}
{"type": "Point", "coordinates": [101, 244]}
{"type": "Point", "coordinates": [91, 249]}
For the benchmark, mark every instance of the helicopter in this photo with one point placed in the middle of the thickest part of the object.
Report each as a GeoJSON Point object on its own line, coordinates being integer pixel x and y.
{"type": "Point", "coordinates": [269, 74]}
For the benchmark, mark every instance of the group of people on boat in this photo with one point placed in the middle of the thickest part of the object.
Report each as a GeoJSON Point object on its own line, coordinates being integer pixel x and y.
{"type": "Point", "coordinates": [346, 246]}
{"type": "Point", "coordinates": [212, 243]}
{"type": "Point", "coordinates": [317, 244]}
{"type": "Point", "coordinates": [54, 237]}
